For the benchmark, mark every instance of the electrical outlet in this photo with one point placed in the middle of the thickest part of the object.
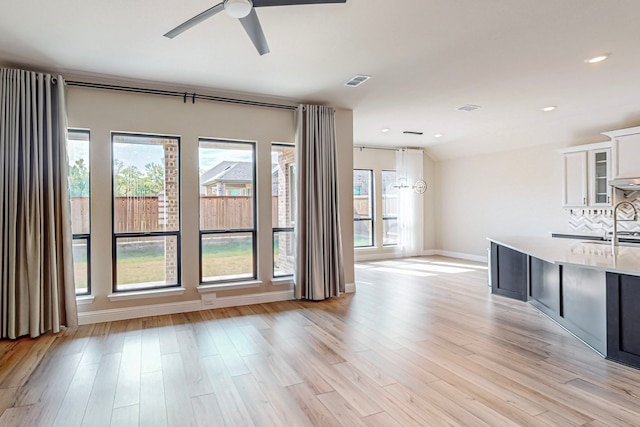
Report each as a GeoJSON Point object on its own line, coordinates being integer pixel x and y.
{"type": "Point", "coordinates": [208, 300]}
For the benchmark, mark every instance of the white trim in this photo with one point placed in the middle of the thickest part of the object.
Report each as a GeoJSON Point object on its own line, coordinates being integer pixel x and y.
{"type": "Point", "coordinates": [376, 256]}
{"type": "Point", "coordinates": [621, 132]}
{"type": "Point", "coordinates": [149, 293]}
{"type": "Point", "coordinates": [110, 315]}
{"type": "Point", "coordinates": [98, 316]}
{"type": "Point", "coordinates": [279, 281]}
{"type": "Point", "coordinates": [585, 147]}
{"type": "Point", "coordinates": [430, 252]}
{"type": "Point", "coordinates": [260, 298]}
{"type": "Point", "coordinates": [204, 288]}
{"type": "Point", "coordinates": [349, 288]}
{"type": "Point", "coordinates": [85, 299]}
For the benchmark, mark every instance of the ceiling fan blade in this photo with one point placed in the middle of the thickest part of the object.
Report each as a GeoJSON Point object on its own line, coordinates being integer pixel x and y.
{"type": "Point", "coordinates": [195, 20]}
{"type": "Point", "coordinates": [252, 26]}
{"type": "Point", "coordinates": [263, 3]}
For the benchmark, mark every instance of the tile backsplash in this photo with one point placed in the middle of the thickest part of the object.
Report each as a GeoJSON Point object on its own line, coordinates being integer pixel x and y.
{"type": "Point", "coordinates": [600, 221]}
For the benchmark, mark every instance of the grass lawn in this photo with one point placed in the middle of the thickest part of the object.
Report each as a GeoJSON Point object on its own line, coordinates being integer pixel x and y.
{"type": "Point", "coordinates": [147, 265]}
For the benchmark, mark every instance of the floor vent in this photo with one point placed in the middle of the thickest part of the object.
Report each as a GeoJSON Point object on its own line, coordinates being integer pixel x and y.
{"type": "Point", "coordinates": [468, 107]}
{"type": "Point", "coordinates": [357, 80]}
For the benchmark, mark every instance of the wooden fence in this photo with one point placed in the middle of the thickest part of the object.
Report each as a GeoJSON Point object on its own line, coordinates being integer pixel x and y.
{"type": "Point", "coordinates": [143, 213]}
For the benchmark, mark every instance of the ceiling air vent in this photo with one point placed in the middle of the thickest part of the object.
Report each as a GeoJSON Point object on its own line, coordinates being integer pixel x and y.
{"type": "Point", "coordinates": [357, 80]}
{"type": "Point", "coordinates": [412, 132]}
{"type": "Point", "coordinates": [468, 107]}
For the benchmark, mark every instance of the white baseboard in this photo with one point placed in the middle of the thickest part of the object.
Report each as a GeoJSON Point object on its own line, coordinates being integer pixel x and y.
{"type": "Point", "coordinates": [260, 298]}
{"type": "Point", "coordinates": [349, 288]}
{"type": "Point", "coordinates": [461, 255]}
{"type": "Point", "coordinates": [110, 315]}
{"type": "Point", "coordinates": [375, 256]}
{"type": "Point", "coordinates": [428, 252]}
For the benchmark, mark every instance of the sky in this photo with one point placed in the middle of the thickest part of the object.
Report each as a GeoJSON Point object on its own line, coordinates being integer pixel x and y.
{"type": "Point", "coordinates": [140, 154]}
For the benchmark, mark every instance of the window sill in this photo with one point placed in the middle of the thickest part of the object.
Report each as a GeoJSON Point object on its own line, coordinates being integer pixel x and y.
{"type": "Point", "coordinates": [282, 281]}
{"type": "Point", "coordinates": [203, 289]}
{"type": "Point", "coordinates": [85, 299]}
{"type": "Point", "coordinates": [151, 293]}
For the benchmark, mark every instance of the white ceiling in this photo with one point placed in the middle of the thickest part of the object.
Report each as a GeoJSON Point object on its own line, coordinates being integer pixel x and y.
{"type": "Point", "coordinates": [426, 59]}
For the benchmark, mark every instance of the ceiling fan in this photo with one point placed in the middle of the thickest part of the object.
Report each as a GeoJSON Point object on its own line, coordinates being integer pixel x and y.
{"type": "Point", "coordinates": [244, 10]}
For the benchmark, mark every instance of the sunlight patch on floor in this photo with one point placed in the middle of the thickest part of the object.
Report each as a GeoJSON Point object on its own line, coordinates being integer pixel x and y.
{"type": "Point", "coordinates": [438, 268]}
{"type": "Point", "coordinates": [405, 272]}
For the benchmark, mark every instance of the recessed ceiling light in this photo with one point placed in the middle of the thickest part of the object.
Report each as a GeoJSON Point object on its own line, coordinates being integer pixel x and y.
{"type": "Point", "coordinates": [468, 107]}
{"type": "Point", "coordinates": [597, 59]}
{"type": "Point", "coordinates": [438, 135]}
{"type": "Point", "coordinates": [549, 108]}
{"type": "Point", "coordinates": [385, 130]}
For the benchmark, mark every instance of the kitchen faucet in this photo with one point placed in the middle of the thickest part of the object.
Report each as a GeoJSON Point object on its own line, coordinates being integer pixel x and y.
{"type": "Point", "coordinates": [614, 237]}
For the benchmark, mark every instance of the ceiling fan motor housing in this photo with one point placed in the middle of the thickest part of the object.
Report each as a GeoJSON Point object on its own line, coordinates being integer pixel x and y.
{"type": "Point", "coordinates": [238, 8]}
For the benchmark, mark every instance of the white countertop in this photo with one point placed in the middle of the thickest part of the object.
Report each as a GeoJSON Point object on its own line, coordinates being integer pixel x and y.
{"type": "Point", "coordinates": [590, 254]}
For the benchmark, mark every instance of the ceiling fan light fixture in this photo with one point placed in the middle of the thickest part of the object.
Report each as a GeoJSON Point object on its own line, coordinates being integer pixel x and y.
{"type": "Point", "coordinates": [238, 8]}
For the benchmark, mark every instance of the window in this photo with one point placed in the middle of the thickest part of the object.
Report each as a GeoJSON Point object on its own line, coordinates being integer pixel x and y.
{"type": "Point", "coordinates": [78, 155]}
{"type": "Point", "coordinates": [146, 211]}
{"type": "Point", "coordinates": [283, 175]}
{"type": "Point", "coordinates": [227, 210]}
{"type": "Point", "coordinates": [389, 208]}
{"type": "Point", "coordinates": [362, 208]}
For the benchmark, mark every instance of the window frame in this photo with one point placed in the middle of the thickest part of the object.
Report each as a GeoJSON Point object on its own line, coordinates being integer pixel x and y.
{"type": "Point", "coordinates": [253, 231]}
{"type": "Point", "coordinates": [84, 236]}
{"type": "Point", "coordinates": [386, 217]}
{"type": "Point", "coordinates": [115, 236]}
{"type": "Point", "coordinates": [372, 210]}
{"type": "Point", "coordinates": [293, 208]}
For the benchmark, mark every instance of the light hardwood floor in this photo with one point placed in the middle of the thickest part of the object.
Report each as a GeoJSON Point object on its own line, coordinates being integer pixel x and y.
{"type": "Point", "coordinates": [422, 342]}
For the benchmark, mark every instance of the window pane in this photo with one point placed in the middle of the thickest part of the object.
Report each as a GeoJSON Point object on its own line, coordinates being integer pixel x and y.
{"type": "Point", "coordinates": [78, 157]}
{"type": "Point", "coordinates": [362, 206]}
{"type": "Point", "coordinates": [146, 262]}
{"type": "Point", "coordinates": [227, 256]}
{"type": "Point", "coordinates": [227, 171]}
{"type": "Point", "coordinates": [145, 183]}
{"type": "Point", "coordinates": [389, 194]}
{"type": "Point", "coordinates": [78, 154]}
{"type": "Point", "coordinates": [80, 265]}
{"type": "Point", "coordinates": [362, 233]}
{"type": "Point", "coordinates": [389, 232]}
{"type": "Point", "coordinates": [283, 251]}
{"type": "Point", "coordinates": [283, 185]}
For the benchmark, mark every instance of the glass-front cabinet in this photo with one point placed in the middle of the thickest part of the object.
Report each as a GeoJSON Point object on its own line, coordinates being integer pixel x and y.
{"type": "Point", "coordinates": [600, 173]}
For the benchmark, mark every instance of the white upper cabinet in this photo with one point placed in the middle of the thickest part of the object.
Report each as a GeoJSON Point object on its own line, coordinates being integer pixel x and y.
{"type": "Point", "coordinates": [574, 190]}
{"type": "Point", "coordinates": [626, 149]}
{"type": "Point", "coordinates": [586, 172]}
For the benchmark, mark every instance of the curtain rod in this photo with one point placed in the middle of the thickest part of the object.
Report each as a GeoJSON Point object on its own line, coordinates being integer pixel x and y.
{"type": "Point", "coordinates": [184, 95]}
{"type": "Point", "coordinates": [362, 147]}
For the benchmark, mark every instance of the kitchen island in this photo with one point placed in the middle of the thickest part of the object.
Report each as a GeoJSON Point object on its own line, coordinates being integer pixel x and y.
{"type": "Point", "coordinates": [587, 287]}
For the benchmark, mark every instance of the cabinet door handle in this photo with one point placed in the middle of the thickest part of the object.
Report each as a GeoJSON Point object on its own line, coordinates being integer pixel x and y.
{"type": "Point", "coordinates": [584, 200]}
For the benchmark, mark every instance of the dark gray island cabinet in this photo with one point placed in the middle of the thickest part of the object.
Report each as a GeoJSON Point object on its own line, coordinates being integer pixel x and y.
{"type": "Point", "coordinates": [623, 318]}
{"type": "Point", "coordinates": [579, 288]}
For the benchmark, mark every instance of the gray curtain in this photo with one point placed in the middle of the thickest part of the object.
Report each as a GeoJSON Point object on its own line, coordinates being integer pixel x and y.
{"type": "Point", "coordinates": [37, 287]}
{"type": "Point", "coordinates": [319, 269]}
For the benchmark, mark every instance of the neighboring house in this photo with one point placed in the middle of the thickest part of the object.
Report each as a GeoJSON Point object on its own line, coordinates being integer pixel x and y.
{"type": "Point", "coordinates": [227, 179]}
{"type": "Point", "coordinates": [232, 179]}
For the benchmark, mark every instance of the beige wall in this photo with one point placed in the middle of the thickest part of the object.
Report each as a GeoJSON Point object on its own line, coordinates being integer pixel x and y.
{"type": "Point", "coordinates": [500, 194]}
{"type": "Point", "coordinates": [103, 111]}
